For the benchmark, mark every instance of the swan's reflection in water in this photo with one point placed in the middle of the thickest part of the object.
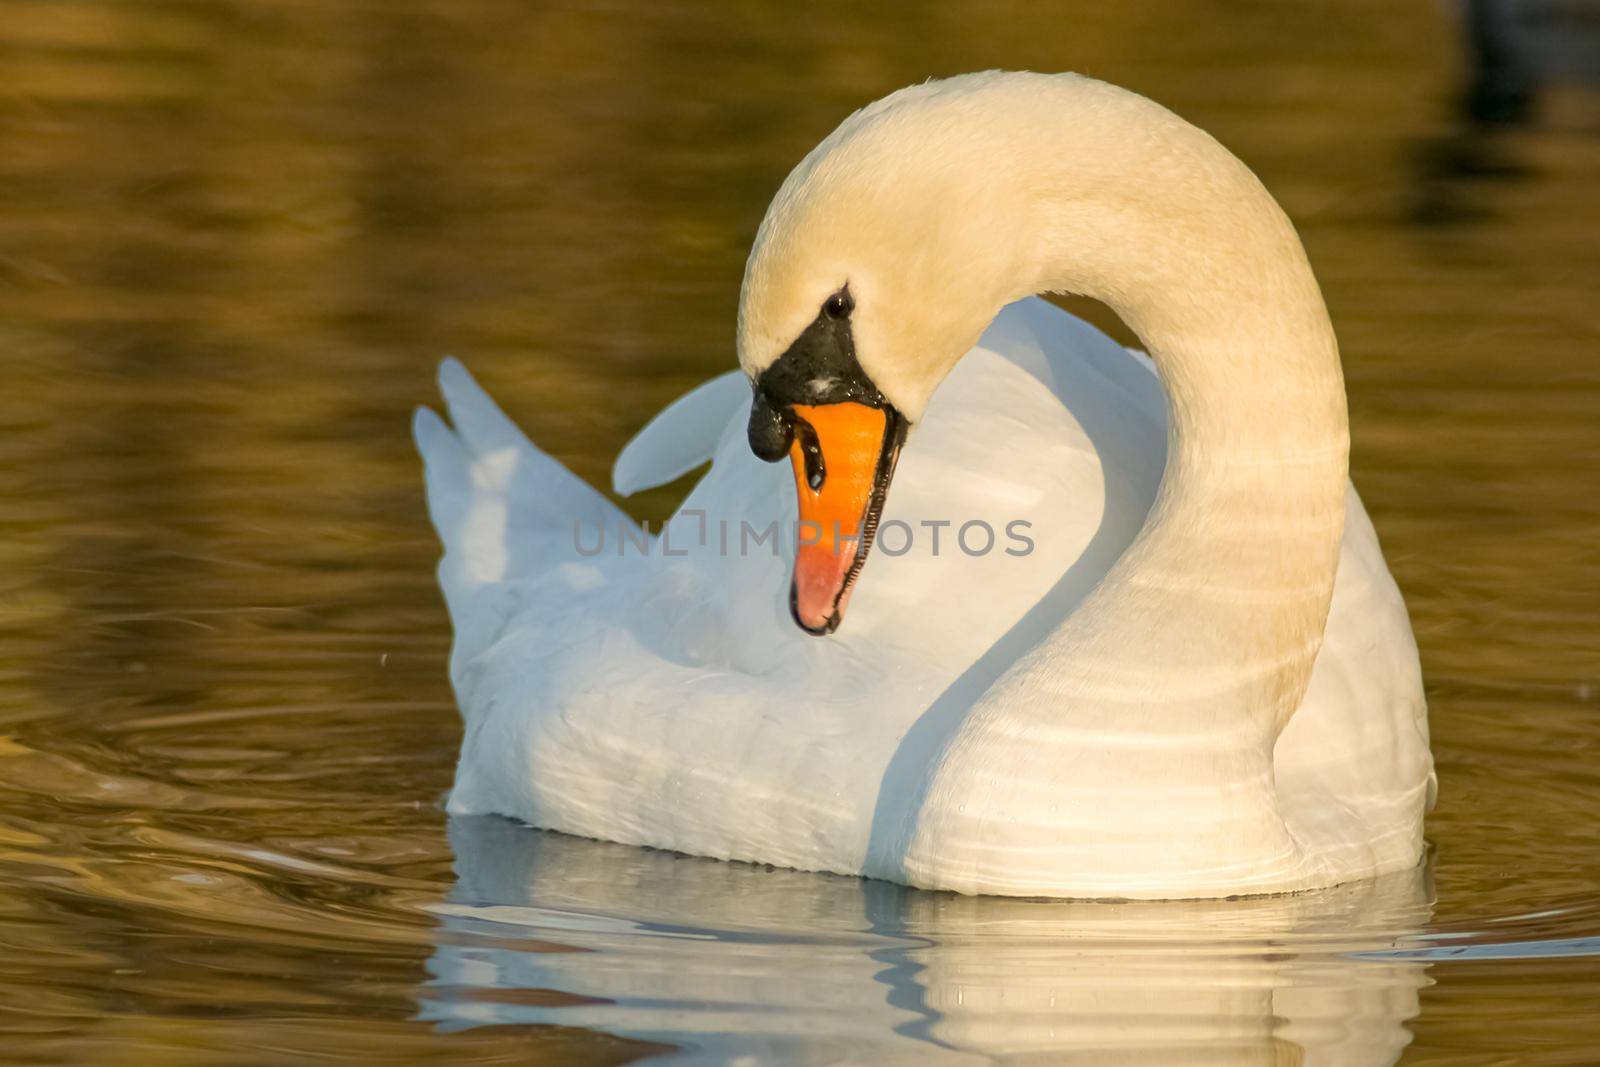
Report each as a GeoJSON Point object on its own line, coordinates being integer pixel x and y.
{"type": "Point", "coordinates": [727, 961]}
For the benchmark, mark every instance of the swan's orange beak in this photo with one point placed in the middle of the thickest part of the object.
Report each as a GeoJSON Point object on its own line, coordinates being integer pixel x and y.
{"type": "Point", "coordinates": [844, 456]}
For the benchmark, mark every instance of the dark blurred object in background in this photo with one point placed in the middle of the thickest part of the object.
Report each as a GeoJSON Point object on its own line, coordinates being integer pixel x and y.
{"type": "Point", "coordinates": [1518, 52]}
{"type": "Point", "coordinates": [1503, 80]}
{"type": "Point", "coordinates": [1515, 46]}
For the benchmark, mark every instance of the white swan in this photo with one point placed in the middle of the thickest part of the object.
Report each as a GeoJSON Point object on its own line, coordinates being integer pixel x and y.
{"type": "Point", "coordinates": [1155, 701]}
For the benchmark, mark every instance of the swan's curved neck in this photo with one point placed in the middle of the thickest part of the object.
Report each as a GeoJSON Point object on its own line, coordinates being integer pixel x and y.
{"type": "Point", "coordinates": [1222, 599]}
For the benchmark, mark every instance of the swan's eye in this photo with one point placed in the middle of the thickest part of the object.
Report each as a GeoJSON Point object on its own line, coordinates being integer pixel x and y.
{"type": "Point", "coordinates": [839, 305]}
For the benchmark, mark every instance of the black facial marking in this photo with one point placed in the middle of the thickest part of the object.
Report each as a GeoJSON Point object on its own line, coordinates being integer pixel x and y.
{"type": "Point", "coordinates": [771, 429]}
{"type": "Point", "coordinates": [820, 367]}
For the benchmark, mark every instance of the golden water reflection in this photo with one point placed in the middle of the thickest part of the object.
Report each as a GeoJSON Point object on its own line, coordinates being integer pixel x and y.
{"type": "Point", "coordinates": [703, 955]}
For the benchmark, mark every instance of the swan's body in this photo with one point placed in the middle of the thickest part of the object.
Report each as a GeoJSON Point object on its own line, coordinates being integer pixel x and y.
{"type": "Point", "coordinates": [1130, 709]}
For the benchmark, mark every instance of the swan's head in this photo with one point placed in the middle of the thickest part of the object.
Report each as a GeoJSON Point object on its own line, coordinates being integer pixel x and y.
{"type": "Point", "coordinates": [881, 260]}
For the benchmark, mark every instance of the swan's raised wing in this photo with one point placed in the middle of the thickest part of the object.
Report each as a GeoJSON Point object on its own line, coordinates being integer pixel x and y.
{"type": "Point", "coordinates": [504, 510]}
{"type": "Point", "coordinates": [682, 437]}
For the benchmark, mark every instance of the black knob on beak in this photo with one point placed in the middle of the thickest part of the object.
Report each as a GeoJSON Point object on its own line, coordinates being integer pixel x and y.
{"type": "Point", "coordinates": [771, 430]}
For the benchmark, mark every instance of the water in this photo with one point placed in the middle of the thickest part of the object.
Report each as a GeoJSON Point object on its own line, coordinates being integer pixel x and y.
{"type": "Point", "coordinates": [235, 238]}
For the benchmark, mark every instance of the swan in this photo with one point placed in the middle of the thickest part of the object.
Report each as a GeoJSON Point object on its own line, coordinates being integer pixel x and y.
{"type": "Point", "coordinates": [1127, 631]}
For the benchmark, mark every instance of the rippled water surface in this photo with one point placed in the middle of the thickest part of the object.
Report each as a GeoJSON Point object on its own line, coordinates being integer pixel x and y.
{"type": "Point", "coordinates": [236, 237]}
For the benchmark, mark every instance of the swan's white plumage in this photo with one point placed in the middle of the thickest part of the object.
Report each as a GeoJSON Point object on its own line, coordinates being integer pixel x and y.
{"type": "Point", "coordinates": [672, 702]}
{"type": "Point", "coordinates": [1103, 715]}
{"type": "Point", "coordinates": [681, 438]}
